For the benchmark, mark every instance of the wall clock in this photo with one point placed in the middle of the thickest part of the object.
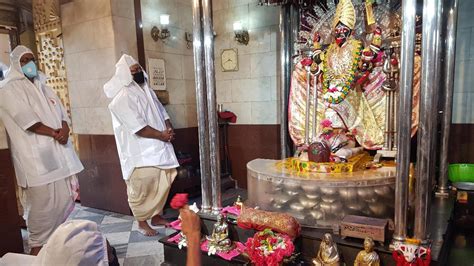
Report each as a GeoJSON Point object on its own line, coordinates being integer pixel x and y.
{"type": "Point", "coordinates": [229, 60]}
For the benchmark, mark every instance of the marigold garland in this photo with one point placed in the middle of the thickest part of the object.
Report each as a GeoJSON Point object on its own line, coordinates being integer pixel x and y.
{"type": "Point", "coordinates": [347, 78]}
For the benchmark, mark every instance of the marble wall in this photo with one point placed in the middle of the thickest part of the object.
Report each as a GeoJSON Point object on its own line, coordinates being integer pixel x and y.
{"type": "Point", "coordinates": [3, 137]}
{"type": "Point", "coordinates": [252, 91]}
{"type": "Point", "coordinates": [96, 33]}
{"type": "Point", "coordinates": [178, 58]}
{"type": "Point", "coordinates": [4, 50]}
{"type": "Point", "coordinates": [463, 107]}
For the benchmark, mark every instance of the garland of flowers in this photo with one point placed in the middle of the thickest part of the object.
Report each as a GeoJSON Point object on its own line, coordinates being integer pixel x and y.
{"type": "Point", "coordinates": [348, 78]}
{"type": "Point", "coordinates": [267, 248]}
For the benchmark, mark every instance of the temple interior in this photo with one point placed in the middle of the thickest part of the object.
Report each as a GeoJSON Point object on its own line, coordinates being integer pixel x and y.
{"type": "Point", "coordinates": [347, 126]}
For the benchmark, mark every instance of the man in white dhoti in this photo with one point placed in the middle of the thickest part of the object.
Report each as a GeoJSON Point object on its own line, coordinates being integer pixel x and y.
{"type": "Point", "coordinates": [143, 132]}
{"type": "Point", "coordinates": [44, 159]}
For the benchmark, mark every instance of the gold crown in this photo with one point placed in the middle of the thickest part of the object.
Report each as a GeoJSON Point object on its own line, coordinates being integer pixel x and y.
{"type": "Point", "coordinates": [345, 13]}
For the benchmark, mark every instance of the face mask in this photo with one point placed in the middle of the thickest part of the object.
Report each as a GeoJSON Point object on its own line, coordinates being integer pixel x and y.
{"type": "Point", "coordinates": [30, 70]}
{"type": "Point", "coordinates": [139, 77]}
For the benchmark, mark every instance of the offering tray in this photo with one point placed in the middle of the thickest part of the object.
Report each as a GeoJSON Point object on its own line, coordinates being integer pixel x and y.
{"type": "Point", "coordinates": [321, 200]}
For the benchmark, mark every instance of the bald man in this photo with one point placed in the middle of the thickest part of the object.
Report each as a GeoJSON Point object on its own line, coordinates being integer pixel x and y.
{"type": "Point", "coordinates": [44, 159]}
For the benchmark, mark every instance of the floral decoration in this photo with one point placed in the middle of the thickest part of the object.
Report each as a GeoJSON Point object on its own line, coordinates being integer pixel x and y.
{"type": "Point", "coordinates": [268, 248]}
{"type": "Point", "coordinates": [179, 200]}
{"type": "Point", "coordinates": [337, 94]}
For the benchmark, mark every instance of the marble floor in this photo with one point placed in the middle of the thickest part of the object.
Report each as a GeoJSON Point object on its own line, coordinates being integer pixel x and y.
{"type": "Point", "coordinates": [122, 232]}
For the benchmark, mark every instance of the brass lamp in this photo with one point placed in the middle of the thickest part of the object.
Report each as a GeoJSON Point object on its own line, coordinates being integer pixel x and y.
{"type": "Point", "coordinates": [241, 34]}
{"type": "Point", "coordinates": [163, 33]}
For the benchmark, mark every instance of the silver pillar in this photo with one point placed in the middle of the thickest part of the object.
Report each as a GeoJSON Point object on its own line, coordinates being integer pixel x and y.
{"type": "Point", "coordinates": [447, 87]}
{"type": "Point", "coordinates": [387, 136]}
{"type": "Point", "coordinates": [395, 119]}
{"type": "Point", "coordinates": [426, 155]}
{"type": "Point", "coordinates": [404, 118]}
{"type": "Point", "coordinates": [308, 106]}
{"type": "Point", "coordinates": [201, 106]}
{"type": "Point", "coordinates": [212, 106]}
{"type": "Point", "coordinates": [315, 109]}
{"type": "Point", "coordinates": [285, 76]}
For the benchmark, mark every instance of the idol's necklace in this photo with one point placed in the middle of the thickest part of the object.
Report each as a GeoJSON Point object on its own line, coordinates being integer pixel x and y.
{"type": "Point", "coordinates": [340, 65]}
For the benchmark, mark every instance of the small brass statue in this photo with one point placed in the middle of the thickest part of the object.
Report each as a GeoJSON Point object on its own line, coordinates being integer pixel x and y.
{"type": "Point", "coordinates": [328, 254]}
{"type": "Point", "coordinates": [219, 239]}
{"type": "Point", "coordinates": [367, 257]}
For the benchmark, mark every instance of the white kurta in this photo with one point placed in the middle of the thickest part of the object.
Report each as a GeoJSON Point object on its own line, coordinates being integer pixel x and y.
{"type": "Point", "coordinates": [38, 160]}
{"type": "Point", "coordinates": [132, 109]}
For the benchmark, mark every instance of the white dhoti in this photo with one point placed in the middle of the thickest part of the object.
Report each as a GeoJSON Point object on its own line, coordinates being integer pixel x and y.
{"type": "Point", "coordinates": [148, 189]}
{"type": "Point", "coordinates": [46, 207]}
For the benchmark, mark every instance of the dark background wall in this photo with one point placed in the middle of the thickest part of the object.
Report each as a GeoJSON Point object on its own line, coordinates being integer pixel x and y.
{"type": "Point", "coordinates": [101, 182]}
{"type": "Point", "coordinates": [11, 240]}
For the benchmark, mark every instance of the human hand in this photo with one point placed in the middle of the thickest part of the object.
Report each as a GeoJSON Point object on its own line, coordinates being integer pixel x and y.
{"type": "Point", "coordinates": [171, 131]}
{"type": "Point", "coordinates": [169, 125]}
{"type": "Point", "coordinates": [190, 223]}
{"type": "Point", "coordinates": [166, 135]}
{"type": "Point", "coordinates": [53, 133]}
{"type": "Point", "coordinates": [62, 135]}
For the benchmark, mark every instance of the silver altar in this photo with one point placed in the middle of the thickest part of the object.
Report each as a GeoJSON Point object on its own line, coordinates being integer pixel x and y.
{"type": "Point", "coordinates": [321, 200]}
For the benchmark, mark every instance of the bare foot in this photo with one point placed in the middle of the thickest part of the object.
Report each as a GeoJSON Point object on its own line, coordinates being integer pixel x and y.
{"type": "Point", "coordinates": [157, 220]}
{"type": "Point", "coordinates": [35, 250]}
{"type": "Point", "coordinates": [145, 229]}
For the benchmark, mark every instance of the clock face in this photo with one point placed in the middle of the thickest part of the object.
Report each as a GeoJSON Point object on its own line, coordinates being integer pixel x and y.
{"type": "Point", "coordinates": [229, 60]}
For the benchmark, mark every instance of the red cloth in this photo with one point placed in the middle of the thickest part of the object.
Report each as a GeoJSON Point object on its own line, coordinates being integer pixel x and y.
{"type": "Point", "coordinates": [259, 220]}
{"type": "Point", "coordinates": [227, 115]}
{"type": "Point", "coordinates": [175, 238]}
{"type": "Point", "coordinates": [225, 255]}
{"type": "Point", "coordinates": [176, 224]}
{"type": "Point", "coordinates": [232, 210]}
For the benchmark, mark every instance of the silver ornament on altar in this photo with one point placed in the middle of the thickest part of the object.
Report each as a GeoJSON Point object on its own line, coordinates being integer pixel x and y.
{"type": "Point", "coordinates": [219, 240]}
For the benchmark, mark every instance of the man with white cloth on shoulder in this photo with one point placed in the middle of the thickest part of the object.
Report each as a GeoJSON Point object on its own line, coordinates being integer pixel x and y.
{"type": "Point", "coordinates": [44, 159]}
{"type": "Point", "coordinates": [143, 133]}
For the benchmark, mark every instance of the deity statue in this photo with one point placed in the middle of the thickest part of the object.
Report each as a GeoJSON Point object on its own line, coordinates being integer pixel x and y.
{"type": "Point", "coordinates": [367, 257]}
{"type": "Point", "coordinates": [238, 203]}
{"type": "Point", "coordinates": [328, 254]}
{"type": "Point", "coordinates": [219, 239]}
{"type": "Point", "coordinates": [346, 79]}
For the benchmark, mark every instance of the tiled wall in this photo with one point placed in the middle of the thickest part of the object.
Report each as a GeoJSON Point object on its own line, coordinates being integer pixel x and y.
{"type": "Point", "coordinates": [251, 92]}
{"type": "Point", "coordinates": [96, 33]}
{"type": "Point", "coordinates": [178, 58]}
{"type": "Point", "coordinates": [463, 105]}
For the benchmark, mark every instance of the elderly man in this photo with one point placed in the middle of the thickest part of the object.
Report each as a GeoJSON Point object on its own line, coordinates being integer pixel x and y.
{"type": "Point", "coordinates": [44, 159]}
{"type": "Point", "coordinates": [143, 133]}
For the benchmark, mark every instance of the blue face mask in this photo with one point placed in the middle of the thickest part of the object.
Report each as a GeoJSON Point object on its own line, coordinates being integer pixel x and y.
{"type": "Point", "coordinates": [30, 69]}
